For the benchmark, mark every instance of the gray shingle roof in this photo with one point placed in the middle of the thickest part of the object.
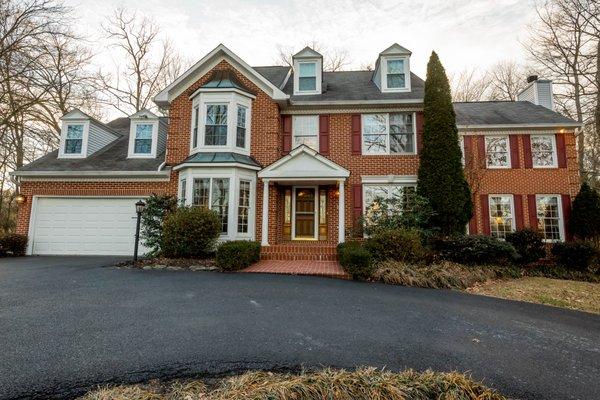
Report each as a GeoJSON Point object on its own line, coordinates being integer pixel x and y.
{"type": "Point", "coordinates": [506, 113]}
{"type": "Point", "coordinates": [274, 74]}
{"type": "Point", "coordinates": [219, 158]}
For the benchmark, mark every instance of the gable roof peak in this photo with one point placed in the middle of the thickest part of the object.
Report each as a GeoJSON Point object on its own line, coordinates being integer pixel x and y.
{"type": "Point", "coordinates": [143, 113]}
{"type": "Point", "coordinates": [396, 49]}
{"type": "Point", "coordinates": [307, 52]}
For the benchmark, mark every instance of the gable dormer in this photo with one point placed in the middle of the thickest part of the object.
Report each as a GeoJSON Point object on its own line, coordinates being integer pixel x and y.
{"type": "Point", "coordinates": [308, 72]}
{"type": "Point", "coordinates": [147, 135]}
{"type": "Point", "coordinates": [81, 135]}
{"type": "Point", "coordinates": [392, 70]}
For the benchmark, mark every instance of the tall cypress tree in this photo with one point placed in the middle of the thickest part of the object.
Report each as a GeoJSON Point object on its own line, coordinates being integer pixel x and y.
{"type": "Point", "coordinates": [441, 176]}
{"type": "Point", "coordinates": [585, 215]}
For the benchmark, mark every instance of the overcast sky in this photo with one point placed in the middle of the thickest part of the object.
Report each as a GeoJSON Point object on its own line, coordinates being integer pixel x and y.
{"type": "Point", "coordinates": [464, 33]}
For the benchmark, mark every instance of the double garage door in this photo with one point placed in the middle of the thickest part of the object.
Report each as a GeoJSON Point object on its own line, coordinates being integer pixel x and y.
{"type": "Point", "coordinates": [83, 226]}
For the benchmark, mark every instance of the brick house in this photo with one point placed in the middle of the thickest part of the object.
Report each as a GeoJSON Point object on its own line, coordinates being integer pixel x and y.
{"type": "Point", "coordinates": [320, 146]}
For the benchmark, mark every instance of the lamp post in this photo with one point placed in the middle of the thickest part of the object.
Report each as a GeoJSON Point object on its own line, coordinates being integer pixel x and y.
{"type": "Point", "coordinates": [139, 209]}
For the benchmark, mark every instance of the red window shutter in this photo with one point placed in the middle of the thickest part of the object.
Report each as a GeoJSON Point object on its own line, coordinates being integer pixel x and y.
{"type": "Point", "coordinates": [532, 207]}
{"type": "Point", "coordinates": [481, 150]}
{"type": "Point", "coordinates": [514, 151]}
{"type": "Point", "coordinates": [485, 213]}
{"type": "Point", "coordinates": [419, 138]}
{"type": "Point", "coordinates": [468, 143]}
{"type": "Point", "coordinates": [561, 150]}
{"type": "Point", "coordinates": [356, 133]}
{"type": "Point", "coordinates": [357, 201]}
{"type": "Point", "coordinates": [566, 209]}
{"type": "Point", "coordinates": [324, 134]}
{"type": "Point", "coordinates": [287, 133]}
{"type": "Point", "coordinates": [527, 151]}
{"type": "Point", "coordinates": [518, 199]}
{"type": "Point", "coordinates": [473, 222]}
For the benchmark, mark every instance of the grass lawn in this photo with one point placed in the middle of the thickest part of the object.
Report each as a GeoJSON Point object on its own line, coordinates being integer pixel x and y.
{"type": "Point", "coordinates": [584, 296]}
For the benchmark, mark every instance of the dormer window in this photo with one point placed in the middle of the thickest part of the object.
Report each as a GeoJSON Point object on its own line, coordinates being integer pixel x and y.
{"type": "Point", "coordinates": [392, 70]}
{"type": "Point", "coordinates": [144, 135]}
{"type": "Point", "coordinates": [74, 139]}
{"type": "Point", "coordinates": [307, 76]}
{"type": "Point", "coordinates": [74, 136]}
{"type": "Point", "coordinates": [143, 139]}
{"type": "Point", "coordinates": [308, 72]}
{"type": "Point", "coordinates": [395, 74]}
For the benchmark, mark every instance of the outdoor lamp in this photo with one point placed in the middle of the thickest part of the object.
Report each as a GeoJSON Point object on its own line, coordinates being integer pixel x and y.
{"type": "Point", "coordinates": [20, 199]}
{"type": "Point", "coordinates": [139, 209]}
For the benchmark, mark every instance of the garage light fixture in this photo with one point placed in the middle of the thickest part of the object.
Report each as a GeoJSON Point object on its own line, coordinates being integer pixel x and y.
{"type": "Point", "coordinates": [20, 199]}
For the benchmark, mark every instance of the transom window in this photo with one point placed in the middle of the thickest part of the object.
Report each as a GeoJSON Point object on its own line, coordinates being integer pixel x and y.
{"type": "Point", "coordinates": [74, 139]}
{"type": "Point", "coordinates": [305, 130]}
{"type": "Point", "coordinates": [549, 217]}
{"type": "Point", "coordinates": [497, 152]}
{"type": "Point", "coordinates": [243, 206]}
{"type": "Point", "coordinates": [543, 151]}
{"type": "Point", "coordinates": [395, 74]}
{"type": "Point", "coordinates": [307, 76]}
{"type": "Point", "coordinates": [143, 139]}
{"type": "Point", "coordinates": [215, 129]}
{"type": "Point", "coordinates": [501, 215]}
{"type": "Point", "coordinates": [388, 133]}
{"type": "Point", "coordinates": [213, 193]}
{"type": "Point", "coordinates": [240, 135]}
{"type": "Point", "coordinates": [389, 198]}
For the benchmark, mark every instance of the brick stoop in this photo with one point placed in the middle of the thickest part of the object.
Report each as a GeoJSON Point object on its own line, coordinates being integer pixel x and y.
{"type": "Point", "coordinates": [330, 269]}
{"type": "Point", "coordinates": [299, 251]}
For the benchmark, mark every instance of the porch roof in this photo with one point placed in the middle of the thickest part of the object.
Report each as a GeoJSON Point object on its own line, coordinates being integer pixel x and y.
{"type": "Point", "coordinates": [304, 163]}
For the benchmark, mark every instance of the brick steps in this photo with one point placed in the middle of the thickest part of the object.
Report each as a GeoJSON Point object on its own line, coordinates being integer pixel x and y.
{"type": "Point", "coordinates": [299, 251]}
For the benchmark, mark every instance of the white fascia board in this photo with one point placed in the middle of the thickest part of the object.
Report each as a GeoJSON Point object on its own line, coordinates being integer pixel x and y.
{"type": "Point", "coordinates": [213, 165]}
{"type": "Point", "coordinates": [354, 102]}
{"type": "Point", "coordinates": [520, 126]}
{"type": "Point", "coordinates": [270, 171]}
{"type": "Point", "coordinates": [165, 172]}
{"type": "Point", "coordinates": [389, 178]}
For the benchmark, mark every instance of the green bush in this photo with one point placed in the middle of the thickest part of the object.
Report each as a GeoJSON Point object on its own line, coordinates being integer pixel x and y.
{"type": "Point", "coordinates": [13, 244]}
{"type": "Point", "coordinates": [238, 254]}
{"type": "Point", "coordinates": [578, 255]}
{"type": "Point", "coordinates": [585, 214]}
{"type": "Point", "coordinates": [190, 232]}
{"type": "Point", "coordinates": [158, 206]}
{"type": "Point", "coordinates": [356, 260]}
{"type": "Point", "coordinates": [396, 244]}
{"type": "Point", "coordinates": [475, 249]}
{"type": "Point", "coordinates": [528, 243]}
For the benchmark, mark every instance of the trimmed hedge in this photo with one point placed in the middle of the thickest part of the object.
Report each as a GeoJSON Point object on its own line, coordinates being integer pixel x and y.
{"type": "Point", "coordinates": [13, 244]}
{"type": "Point", "coordinates": [356, 260]}
{"type": "Point", "coordinates": [528, 243]}
{"type": "Point", "coordinates": [475, 249]}
{"type": "Point", "coordinates": [578, 255]}
{"type": "Point", "coordinates": [397, 244]}
{"type": "Point", "coordinates": [190, 232]}
{"type": "Point", "coordinates": [237, 254]}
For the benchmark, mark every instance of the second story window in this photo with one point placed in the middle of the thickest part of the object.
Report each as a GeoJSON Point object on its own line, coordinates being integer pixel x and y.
{"type": "Point", "coordinates": [74, 139]}
{"type": "Point", "coordinates": [392, 133]}
{"type": "Point", "coordinates": [195, 126]}
{"type": "Point", "coordinates": [305, 130]}
{"type": "Point", "coordinates": [497, 152]}
{"type": "Point", "coordinates": [543, 151]}
{"type": "Point", "coordinates": [307, 76]}
{"type": "Point", "coordinates": [216, 125]}
{"type": "Point", "coordinates": [240, 135]}
{"type": "Point", "coordinates": [143, 139]}
{"type": "Point", "coordinates": [395, 74]}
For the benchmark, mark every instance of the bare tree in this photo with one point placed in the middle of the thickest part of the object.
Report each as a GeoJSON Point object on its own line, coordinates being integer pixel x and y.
{"type": "Point", "coordinates": [507, 79]}
{"type": "Point", "coordinates": [333, 59]}
{"type": "Point", "coordinates": [469, 85]}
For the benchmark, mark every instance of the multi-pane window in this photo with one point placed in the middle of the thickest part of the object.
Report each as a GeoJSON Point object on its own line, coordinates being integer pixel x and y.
{"type": "Point", "coordinates": [195, 128]}
{"type": "Point", "coordinates": [240, 136]}
{"type": "Point", "coordinates": [497, 152]}
{"type": "Point", "coordinates": [74, 139]}
{"type": "Point", "coordinates": [183, 192]}
{"type": "Point", "coordinates": [388, 133]}
{"type": "Point", "coordinates": [549, 217]}
{"type": "Point", "coordinates": [143, 139]}
{"type": "Point", "coordinates": [243, 206]}
{"type": "Point", "coordinates": [215, 130]}
{"type": "Point", "coordinates": [307, 76]}
{"type": "Point", "coordinates": [543, 150]}
{"type": "Point", "coordinates": [395, 74]}
{"type": "Point", "coordinates": [305, 130]}
{"type": "Point", "coordinates": [201, 192]}
{"type": "Point", "coordinates": [388, 198]}
{"type": "Point", "coordinates": [501, 215]}
{"type": "Point", "coordinates": [213, 193]}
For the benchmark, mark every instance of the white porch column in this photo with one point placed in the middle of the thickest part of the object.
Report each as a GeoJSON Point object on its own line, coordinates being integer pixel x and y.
{"type": "Point", "coordinates": [265, 213]}
{"type": "Point", "coordinates": [341, 213]}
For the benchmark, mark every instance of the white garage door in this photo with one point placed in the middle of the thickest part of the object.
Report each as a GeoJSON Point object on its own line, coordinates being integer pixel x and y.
{"type": "Point", "coordinates": [84, 226]}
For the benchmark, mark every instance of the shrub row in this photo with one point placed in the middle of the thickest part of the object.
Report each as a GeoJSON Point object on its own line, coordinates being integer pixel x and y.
{"type": "Point", "coordinates": [238, 254]}
{"type": "Point", "coordinates": [13, 245]}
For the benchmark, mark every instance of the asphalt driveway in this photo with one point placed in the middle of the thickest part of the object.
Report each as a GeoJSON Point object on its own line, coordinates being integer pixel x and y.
{"type": "Point", "coordinates": [67, 323]}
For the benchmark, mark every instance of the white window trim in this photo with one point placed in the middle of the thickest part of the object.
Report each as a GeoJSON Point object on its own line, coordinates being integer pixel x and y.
{"type": "Point", "coordinates": [512, 210]}
{"type": "Point", "coordinates": [554, 152]}
{"type": "Point", "coordinates": [383, 67]}
{"type": "Point", "coordinates": [132, 130]}
{"type": "Point", "coordinates": [561, 220]}
{"type": "Point", "coordinates": [387, 135]}
{"type": "Point", "coordinates": [508, 158]}
{"type": "Point", "coordinates": [387, 183]}
{"type": "Point", "coordinates": [232, 100]}
{"type": "Point", "coordinates": [294, 117]}
{"type": "Point", "coordinates": [318, 72]}
{"type": "Point", "coordinates": [84, 142]}
{"type": "Point", "coordinates": [315, 212]}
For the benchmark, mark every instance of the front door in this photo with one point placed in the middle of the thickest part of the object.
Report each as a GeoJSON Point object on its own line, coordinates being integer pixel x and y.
{"type": "Point", "coordinates": [304, 213]}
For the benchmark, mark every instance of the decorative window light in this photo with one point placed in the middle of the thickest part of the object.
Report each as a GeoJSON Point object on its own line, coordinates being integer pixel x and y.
{"type": "Point", "coordinates": [501, 215]}
{"type": "Point", "coordinates": [543, 151]}
{"type": "Point", "coordinates": [392, 133]}
{"type": "Point", "coordinates": [549, 216]}
{"type": "Point", "coordinates": [497, 152]}
{"type": "Point", "coordinates": [305, 130]}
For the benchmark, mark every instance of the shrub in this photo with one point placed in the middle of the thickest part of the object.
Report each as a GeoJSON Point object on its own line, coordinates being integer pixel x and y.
{"type": "Point", "coordinates": [238, 254]}
{"type": "Point", "coordinates": [578, 255]}
{"type": "Point", "coordinates": [190, 232]}
{"type": "Point", "coordinates": [13, 244]}
{"type": "Point", "coordinates": [585, 215]}
{"type": "Point", "coordinates": [528, 243]}
{"type": "Point", "coordinates": [406, 212]}
{"type": "Point", "coordinates": [158, 206]}
{"type": "Point", "coordinates": [397, 244]}
{"type": "Point", "coordinates": [475, 249]}
{"type": "Point", "coordinates": [355, 260]}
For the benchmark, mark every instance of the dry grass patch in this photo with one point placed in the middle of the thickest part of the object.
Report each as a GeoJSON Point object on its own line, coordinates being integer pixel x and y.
{"type": "Point", "coordinates": [363, 384]}
{"type": "Point", "coordinates": [584, 296]}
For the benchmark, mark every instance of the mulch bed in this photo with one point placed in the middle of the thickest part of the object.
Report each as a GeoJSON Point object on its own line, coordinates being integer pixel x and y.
{"type": "Point", "coordinates": [171, 264]}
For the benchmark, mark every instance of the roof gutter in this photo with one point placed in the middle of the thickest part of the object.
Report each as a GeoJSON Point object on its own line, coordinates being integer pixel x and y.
{"type": "Point", "coordinates": [520, 126]}
{"type": "Point", "coordinates": [86, 174]}
{"type": "Point", "coordinates": [354, 102]}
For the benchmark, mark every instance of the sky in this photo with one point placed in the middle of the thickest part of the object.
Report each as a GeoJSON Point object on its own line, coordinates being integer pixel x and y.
{"type": "Point", "coordinates": [465, 34]}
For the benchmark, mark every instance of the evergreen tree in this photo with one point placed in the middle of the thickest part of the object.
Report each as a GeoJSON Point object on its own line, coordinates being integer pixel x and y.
{"type": "Point", "coordinates": [585, 215]}
{"type": "Point", "coordinates": [441, 176]}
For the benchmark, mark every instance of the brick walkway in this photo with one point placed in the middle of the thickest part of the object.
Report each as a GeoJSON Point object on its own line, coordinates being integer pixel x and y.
{"type": "Point", "coordinates": [299, 267]}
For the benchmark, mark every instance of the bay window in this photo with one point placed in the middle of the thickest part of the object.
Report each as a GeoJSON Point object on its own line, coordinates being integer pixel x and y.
{"type": "Point", "coordinates": [213, 193]}
{"type": "Point", "coordinates": [549, 216]}
{"type": "Point", "coordinates": [215, 127]}
{"type": "Point", "coordinates": [543, 151]}
{"type": "Point", "coordinates": [501, 215]}
{"type": "Point", "coordinates": [392, 133]}
{"type": "Point", "coordinates": [305, 130]}
{"type": "Point", "coordinates": [497, 152]}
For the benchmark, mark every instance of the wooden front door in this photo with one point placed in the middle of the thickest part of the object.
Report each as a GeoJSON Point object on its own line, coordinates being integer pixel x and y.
{"type": "Point", "coordinates": [305, 213]}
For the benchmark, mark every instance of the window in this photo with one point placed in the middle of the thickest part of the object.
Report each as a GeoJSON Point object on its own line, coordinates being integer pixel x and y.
{"type": "Point", "coordinates": [387, 198]}
{"type": "Point", "coordinates": [143, 139]}
{"type": "Point", "coordinates": [307, 76]}
{"type": "Point", "coordinates": [497, 152]}
{"type": "Point", "coordinates": [395, 74]}
{"type": "Point", "coordinates": [213, 193]}
{"type": "Point", "coordinates": [543, 151]}
{"type": "Point", "coordinates": [305, 130]}
{"type": "Point", "coordinates": [501, 215]}
{"type": "Point", "coordinates": [243, 206]}
{"type": "Point", "coordinates": [182, 193]}
{"type": "Point", "coordinates": [549, 217]}
{"type": "Point", "coordinates": [240, 138]}
{"type": "Point", "coordinates": [201, 191]}
{"type": "Point", "coordinates": [74, 139]}
{"type": "Point", "coordinates": [461, 144]}
{"type": "Point", "coordinates": [388, 133]}
{"type": "Point", "coordinates": [216, 125]}
{"type": "Point", "coordinates": [195, 130]}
